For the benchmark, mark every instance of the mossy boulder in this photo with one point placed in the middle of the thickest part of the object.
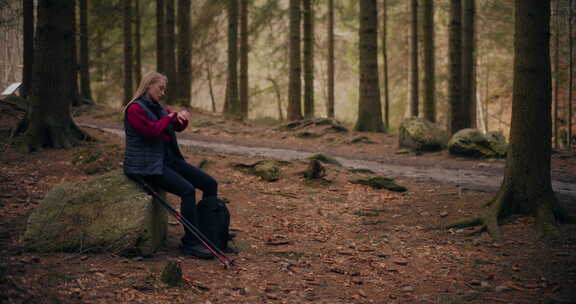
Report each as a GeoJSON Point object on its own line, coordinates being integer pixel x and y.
{"type": "Point", "coordinates": [323, 158]}
{"type": "Point", "coordinates": [106, 213]}
{"type": "Point", "coordinates": [474, 143]}
{"type": "Point", "coordinates": [418, 134]}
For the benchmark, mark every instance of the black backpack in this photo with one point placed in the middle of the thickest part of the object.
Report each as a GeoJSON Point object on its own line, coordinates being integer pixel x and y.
{"type": "Point", "coordinates": [214, 221]}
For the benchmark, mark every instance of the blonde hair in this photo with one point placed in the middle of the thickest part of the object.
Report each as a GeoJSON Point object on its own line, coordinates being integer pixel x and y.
{"type": "Point", "coordinates": [149, 79]}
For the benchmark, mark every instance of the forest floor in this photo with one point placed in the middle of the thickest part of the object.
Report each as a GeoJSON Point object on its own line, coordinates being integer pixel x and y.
{"type": "Point", "coordinates": [300, 242]}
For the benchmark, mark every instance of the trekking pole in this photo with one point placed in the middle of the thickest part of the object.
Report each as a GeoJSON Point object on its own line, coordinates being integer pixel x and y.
{"type": "Point", "coordinates": [204, 241]}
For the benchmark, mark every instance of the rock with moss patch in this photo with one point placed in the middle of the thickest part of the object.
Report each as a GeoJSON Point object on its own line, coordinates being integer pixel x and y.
{"type": "Point", "coordinates": [268, 170]}
{"type": "Point", "coordinates": [172, 273]}
{"type": "Point", "coordinates": [473, 143]}
{"type": "Point", "coordinates": [418, 134]}
{"type": "Point", "coordinates": [106, 213]}
{"type": "Point", "coordinates": [380, 182]}
{"type": "Point", "coordinates": [323, 158]}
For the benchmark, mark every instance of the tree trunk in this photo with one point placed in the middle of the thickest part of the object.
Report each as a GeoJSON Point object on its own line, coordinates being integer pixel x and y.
{"type": "Point", "coordinates": [295, 83]}
{"type": "Point", "coordinates": [160, 37]}
{"type": "Point", "coordinates": [85, 89]}
{"type": "Point", "coordinates": [414, 90]}
{"type": "Point", "coordinates": [384, 35]}
{"type": "Point", "coordinates": [184, 54]}
{"type": "Point", "coordinates": [308, 14]}
{"type": "Point", "coordinates": [555, 120]}
{"type": "Point", "coordinates": [468, 63]}
{"type": "Point", "coordinates": [232, 103]}
{"type": "Point", "coordinates": [278, 97]}
{"type": "Point", "coordinates": [369, 107]}
{"type": "Point", "coordinates": [128, 80]}
{"type": "Point", "coordinates": [210, 87]}
{"type": "Point", "coordinates": [456, 115]}
{"type": "Point", "coordinates": [28, 52]}
{"type": "Point", "coordinates": [429, 106]}
{"type": "Point", "coordinates": [244, 88]}
{"type": "Point", "coordinates": [526, 188]}
{"type": "Point", "coordinates": [75, 89]}
{"type": "Point", "coordinates": [170, 53]}
{"type": "Point", "coordinates": [137, 43]}
{"type": "Point", "coordinates": [570, 81]}
{"type": "Point", "coordinates": [330, 101]}
{"type": "Point", "coordinates": [48, 123]}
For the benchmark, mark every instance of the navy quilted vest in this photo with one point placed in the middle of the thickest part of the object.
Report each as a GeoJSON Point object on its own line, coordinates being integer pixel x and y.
{"type": "Point", "coordinates": [146, 156]}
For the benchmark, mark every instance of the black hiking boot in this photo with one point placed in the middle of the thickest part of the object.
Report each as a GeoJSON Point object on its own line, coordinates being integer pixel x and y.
{"type": "Point", "coordinates": [196, 251]}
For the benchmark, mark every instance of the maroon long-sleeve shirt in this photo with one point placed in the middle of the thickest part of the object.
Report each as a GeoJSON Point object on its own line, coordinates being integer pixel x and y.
{"type": "Point", "coordinates": [137, 119]}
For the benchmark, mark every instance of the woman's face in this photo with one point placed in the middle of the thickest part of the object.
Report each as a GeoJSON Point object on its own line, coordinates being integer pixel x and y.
{"type": "Point", "coordinates": [156, 90]}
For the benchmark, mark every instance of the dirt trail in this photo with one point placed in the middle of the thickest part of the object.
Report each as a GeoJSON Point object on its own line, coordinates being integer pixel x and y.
{"type": "Point", "coordinates": [427, 170]}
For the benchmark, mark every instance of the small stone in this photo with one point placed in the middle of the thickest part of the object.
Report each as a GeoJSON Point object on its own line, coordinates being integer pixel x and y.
{"type": "Point", "coordinates": [444, 214]}
{"type": "Point", "coordinates": [408, 288]}
{"type": "Point", "coordinates": [501, 288]}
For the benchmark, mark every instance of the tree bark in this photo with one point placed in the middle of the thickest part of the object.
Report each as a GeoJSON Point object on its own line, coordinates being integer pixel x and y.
{"type": "Point", "coordinates": [384, 35]}
{"type": "Point", "coordinates": [456, 115]}
{"type": "Point", "coordinates": [160, 37]}
{"type": "Point", "coordinates": [85, 88]}
{"type": "Point", "coordinates": [295, 82]}
{"type": "Point", "coordinates": [170, 53]}
{"type": "Point", "coordinates": [48, 123]}
{"type": "Point", "coordinates": [527, 188]}
{"type": "Point", "coordinates": [555, 121]}
{"type": "Point", "coordinates": [414, 77]}
{"type": "Point", "coordinates": [184, 54]}
{"type": "Point", "coordinates": [244, 87]}
{"type": "Point", "coordinates": [330, 101]}
{"type": "Point", "coordinates": [128, 80]}
{"type": "Point", "coordinates": [137, 43]}
{"type": "Point", "coordinates": [369, 107]}
{"type": "Point", "coordinates": [570, 80]}
{"type": "Point", "coordinates": [429, 106]}
{"type": "Point", "coordinates": [28, 47]}
{"type": "Point", "coordinates": [308, 13]}
{"type": "Point", "coordinates": [468, 63]}
{"type": "Point", "coordinates": [232, 104]}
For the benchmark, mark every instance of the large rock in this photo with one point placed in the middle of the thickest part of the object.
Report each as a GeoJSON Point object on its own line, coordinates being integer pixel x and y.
{"type": "Point", "coordinates": [418, 134]}
{"type": "Point", "coordinates": [106, 213]}
{"type": "Point", "coordinates": [473, 143]}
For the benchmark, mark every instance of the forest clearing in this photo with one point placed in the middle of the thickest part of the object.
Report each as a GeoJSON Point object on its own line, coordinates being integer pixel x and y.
{"type": "Point", "coordinates": [371, 151]}
{"type": "Point", "coordinates": [299, 243]}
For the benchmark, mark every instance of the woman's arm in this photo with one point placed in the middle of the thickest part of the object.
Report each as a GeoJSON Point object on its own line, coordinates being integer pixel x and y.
{"type": "Point", "coordinates": [137, 119]}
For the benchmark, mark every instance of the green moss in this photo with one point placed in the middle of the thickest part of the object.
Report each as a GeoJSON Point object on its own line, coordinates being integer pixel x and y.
{"type": "Point", "coordinates": [380, 182]}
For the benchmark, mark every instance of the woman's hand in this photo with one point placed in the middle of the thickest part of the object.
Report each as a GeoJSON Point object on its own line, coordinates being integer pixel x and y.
{"type": "Point", "coordinates": [183, 116]}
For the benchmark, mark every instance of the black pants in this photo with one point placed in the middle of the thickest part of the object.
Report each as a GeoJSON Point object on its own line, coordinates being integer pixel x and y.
{"type": "Point", "coordinates": [182, 179]}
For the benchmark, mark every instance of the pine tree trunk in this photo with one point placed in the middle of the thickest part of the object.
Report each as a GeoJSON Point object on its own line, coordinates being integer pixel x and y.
{"type": "Point", "coordinates": [232, 104]}
{"type": "Point", "coordinates": [555, 121]}
{"type": "Point", "coordinates": [184, 54]}
{"type": "Point", "coordinates": [527, 188]}
{"type": "Point", "coordinates": [160, 37]}
{"type": "Point", "coordinates": [137, 43]}
{"type": "Point", "coordinates": [28, 52]}
{"type": "Point", "coordinates": [128, 80]}
{"type": "Point", "coordinates": [85, 89]}
{"type": "Point", "coordinates": [74, 68]}
{"type": "Point", "coordinates": [414, 78]}
{"type": "Point", "coordinates": [384, 35]}
{"type": "Point", "coordinates": [456, 115]}
{"type": "Point", "coordinates": [468, 63]}
{"type": "Point", "coordinates": [308, 13]}
{"type": "Point", "coordinates": [429, 106]}
{"type": "Point", "coordinates": [570, 80]}
{"type": "Point", "coordinates": [330, 101]}
{"type": "Point", "coordinates": [48, 123]}
{"type": "Point", "coordinates": [244, 88]}
{"type": "Point", "coordinates": [295, 82]}
{"type": "Point", "coordinates": [369, 107]}
{"type": "Point", "coordinates": [170, 53]}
